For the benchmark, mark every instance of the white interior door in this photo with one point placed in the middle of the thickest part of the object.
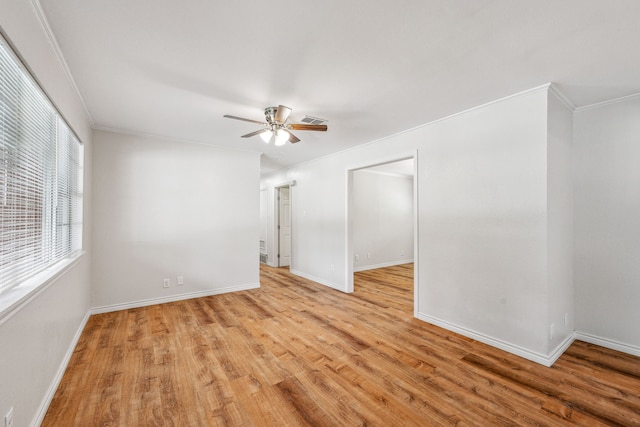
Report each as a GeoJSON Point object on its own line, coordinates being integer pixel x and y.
{"type": "Point", "coordinates": [284, 227]}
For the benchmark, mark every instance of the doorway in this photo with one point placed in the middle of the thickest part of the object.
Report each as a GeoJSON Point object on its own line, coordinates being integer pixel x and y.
{"type": "Point", "coordinates": [283, 226]}
{"type": "Point", "coordinates": [382, 220]}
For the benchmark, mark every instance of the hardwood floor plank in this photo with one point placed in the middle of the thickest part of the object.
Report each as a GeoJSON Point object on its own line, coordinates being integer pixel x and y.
{"type": "Point", "coordinates": [270, 408]}
{"type": "Point", "coordinates": [296, 353]}
{"type": "Point", "coordinates": [300, 399]}
{"type": "Point", "coordinates": [582, 398]}
{"type": "Point", "coordinates": [322, 387]}
{"type": "Point", "coordinates": [592, 355]}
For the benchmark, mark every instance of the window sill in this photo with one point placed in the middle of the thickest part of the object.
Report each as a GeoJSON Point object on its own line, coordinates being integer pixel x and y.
{"type": "Point", "coordinates": [14, 299]}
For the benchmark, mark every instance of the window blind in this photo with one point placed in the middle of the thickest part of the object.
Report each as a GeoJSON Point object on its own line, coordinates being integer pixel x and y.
{"type": "Point", "coordinates": [69, 193]}
{"type": "Point", "coordinates": [40, 178]}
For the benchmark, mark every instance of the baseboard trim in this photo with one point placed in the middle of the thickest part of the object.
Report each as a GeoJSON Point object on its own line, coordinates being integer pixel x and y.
{"type": "Point", "coordinates": [608, 343]}
{"type": "Point", "coordinates": [497, 343]}
{"type": "Point", "coordinates": [173, 298]}
{"type": "Point", "coordinates": [382, 265]}
{"type": "Point", "coordinates": [319, 280]}
{"type": "Point", "coordinates": [44, 405]}
{"type": "Point", "coordinates": [561, 348]}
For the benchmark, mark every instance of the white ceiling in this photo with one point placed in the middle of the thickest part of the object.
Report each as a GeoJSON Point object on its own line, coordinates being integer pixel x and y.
{"type": "Point", "coordinates": [372, 68]}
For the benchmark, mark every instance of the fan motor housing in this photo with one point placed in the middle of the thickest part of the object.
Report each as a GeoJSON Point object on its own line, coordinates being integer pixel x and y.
{"type": "Point", "coordinates": [270, 114]}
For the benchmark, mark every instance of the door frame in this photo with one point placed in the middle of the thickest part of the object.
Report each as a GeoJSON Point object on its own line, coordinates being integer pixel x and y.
{"type": "Point", "coordinates": [350, 254]}
{"type": "Point", "coordinates": [276, 222]}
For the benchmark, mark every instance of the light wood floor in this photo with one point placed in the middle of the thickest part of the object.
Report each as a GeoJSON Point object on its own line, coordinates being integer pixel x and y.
{"type": "Point", "coordinates": [296, 353]}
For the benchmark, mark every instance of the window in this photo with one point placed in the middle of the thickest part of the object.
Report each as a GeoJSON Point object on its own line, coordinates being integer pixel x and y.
{"type": "Point", "coordinates": [40, 178]}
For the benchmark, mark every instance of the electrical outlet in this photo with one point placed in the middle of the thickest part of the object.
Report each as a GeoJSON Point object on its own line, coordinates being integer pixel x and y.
{"type": "Point", "coordinates": [180, 281]}
{"type": "Point", "coordinates": [8, 419]}
{"type": "Point", "coordinates": [369, 255]}
{"type": "Point", "coordinates": [333, 267]}
{"type": "Point", "coordinates": [552, 331]}
{"type": "Point", "coordinates": [357, 257]}
{"type": "Point", "coordinates": [166, 283]}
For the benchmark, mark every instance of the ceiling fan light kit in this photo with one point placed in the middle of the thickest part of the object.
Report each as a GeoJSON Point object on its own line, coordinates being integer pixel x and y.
{"type": "Point", "coordinates": [277, 130]}
{"type": "Point", "coordinates": [279, 137]}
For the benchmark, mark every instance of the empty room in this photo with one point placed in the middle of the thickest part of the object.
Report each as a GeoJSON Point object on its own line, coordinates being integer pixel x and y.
{"type": "Point", "coordinates": [339, 213]}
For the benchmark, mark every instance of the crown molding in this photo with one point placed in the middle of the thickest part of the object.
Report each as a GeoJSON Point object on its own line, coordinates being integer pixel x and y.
{"type": "Point", "coordinates": [553, 88]}
{"type": "Point", "coordinates": [44, 23]}
{"type": "Point", "coordinates": [147, 135]}
{"type": "Point", "coordinates": [609, 102]}
{"type": "Point", "coordinates": [424, 125]}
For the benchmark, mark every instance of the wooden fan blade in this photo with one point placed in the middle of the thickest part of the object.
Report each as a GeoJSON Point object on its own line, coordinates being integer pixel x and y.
{"type": "Point", "coordinates": [258, 132]}
{"type": "Point", "coordinates": [282, 114]}
{"type": "Point", "coordinates": [244, 120]}
{"type": "Point", "coordinates": [292, 138]}
{"type": "Point", "coordinates": [304, 126]}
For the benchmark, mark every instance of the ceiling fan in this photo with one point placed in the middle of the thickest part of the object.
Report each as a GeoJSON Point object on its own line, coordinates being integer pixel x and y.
{"type": "Point", "coordinates": [276, 128]}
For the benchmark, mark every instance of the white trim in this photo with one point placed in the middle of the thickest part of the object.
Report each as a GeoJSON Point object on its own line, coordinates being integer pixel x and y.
{"type": "Point", "coordinates": [44, 23]}
{"type": "Point", "coordinates": [561, 348]}
{"type": "Point", "coordinates": [349, 261]}
{"type": "Point", "coordinates": [382, 265]}
{"type": "Point", "coordinates": [148, 135]}
{"type": "Point", "coordinates": [393, 158]}
{"type": "Point", "coordinates": [424, 125]}
{"type": "Point", "coordinates": [276, 223]}
{"type": "Point", "coordinates": [609, 102]}
{"type": "Point", "coordinates": [494, 342]}
{"type": "Point", "coordinates": [53, 387]}
{"type": "Point", "coordinates": [608, 343]}
{"type": "Point", "coordinates": [285, 184]}
{"type": "Point", "coordinates": [561, 97]}
{"type": "Point", "coordinates": [14, 299]}
{"type": "Point", "coordinates": [384, 173]}
{"type": "Point", "coordinates": [348, 232]}
{"type": "Point", "coordinates": [327, 283]}
{"type": "Point", "coordinates": [416, 234]}
{"type": "Point", "coordinates": [173, 298]}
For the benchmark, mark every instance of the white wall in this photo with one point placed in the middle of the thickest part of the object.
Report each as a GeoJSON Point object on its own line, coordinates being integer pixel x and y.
{"type": "Point", "coordinates": [37, 339]}
{"type": "Point", "coordinates": [164, 209]}
{"type": "Point", "coordinates": [560, 224]}
{"type": "Point", "coordinates": [482, 203]}
{"type": "Point", "coordinates": [382, 219]}
{"type": "Point", "coordinates": [482, 222]}
{"type": "Point", "coordinates": [607, 223]}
